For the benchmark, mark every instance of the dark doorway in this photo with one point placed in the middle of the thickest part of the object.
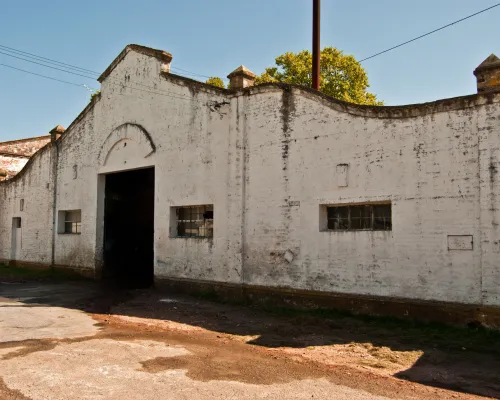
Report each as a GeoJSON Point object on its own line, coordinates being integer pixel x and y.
{"type": "Point", "coordinates": [129, 228]}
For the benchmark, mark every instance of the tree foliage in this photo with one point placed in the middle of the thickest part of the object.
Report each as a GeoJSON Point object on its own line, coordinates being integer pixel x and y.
{"type": "Point", "coordinates": [342, 76]}
{"type": "Point", "coordinates": [216, 81]}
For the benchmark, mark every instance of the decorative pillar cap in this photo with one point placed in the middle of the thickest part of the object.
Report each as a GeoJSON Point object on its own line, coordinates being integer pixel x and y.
{"type": "Point", "coordinates": [56, 132]}
{"type": "Point", "coordinates": [241, 78]}
{"type": "Point", "coordinates": [488, 75]}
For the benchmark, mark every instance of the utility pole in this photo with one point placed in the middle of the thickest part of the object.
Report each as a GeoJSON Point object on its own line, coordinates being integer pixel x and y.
{"type": "Point", "coordinates": [316, 45]}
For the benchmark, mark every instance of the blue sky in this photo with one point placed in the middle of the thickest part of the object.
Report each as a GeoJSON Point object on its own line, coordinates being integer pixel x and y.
{"type": "Point", "coordinates": [214, 37]}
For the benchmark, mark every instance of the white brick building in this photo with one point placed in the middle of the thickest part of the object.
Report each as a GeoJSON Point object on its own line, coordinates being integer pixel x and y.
{"type": "Point", "coordinates": [295, 191]}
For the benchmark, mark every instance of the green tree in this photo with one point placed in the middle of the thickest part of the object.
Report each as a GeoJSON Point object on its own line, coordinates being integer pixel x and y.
{"type": "Point", "coordinates": [215, 81]}
{"type": "Point", "coordinates": [342, 76]}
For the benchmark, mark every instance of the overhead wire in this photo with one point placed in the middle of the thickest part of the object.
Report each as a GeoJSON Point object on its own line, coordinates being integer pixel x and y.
{"type": "Point", "coordinates": [190, 73]}
{"type": "Point", "coordinates": [71, 66]}
{"type": "Point", "coordinates": [47, 66]}
{"type": "Point", "coordinates": [65, 67]}
{"type": "Point", "coordinates": [44, 76]}
{"type": "Point", "coordinates": [429, 33]}
{"type": "Point", "coordinates": [63, 81]}
{"type": "Point", "coordinates": [193, 73]}
{"type": "Point", "coordinates": [153, 91]}
{"type": "Point", "coordinates": [47, 60]}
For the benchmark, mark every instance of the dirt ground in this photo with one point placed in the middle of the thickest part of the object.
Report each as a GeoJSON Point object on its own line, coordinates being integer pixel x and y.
{"type": "Point", "coordinates": [81, 340]}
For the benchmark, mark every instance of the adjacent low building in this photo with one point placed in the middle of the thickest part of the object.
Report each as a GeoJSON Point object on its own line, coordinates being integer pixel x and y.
{"type": "Point", "coordinates": [14, 154]}
{"type": "Point", "coordinates": [270, 191]}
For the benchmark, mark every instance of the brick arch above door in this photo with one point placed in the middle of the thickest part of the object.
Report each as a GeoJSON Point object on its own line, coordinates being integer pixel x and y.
{"type": "Point", "coordinates": [126, 144]}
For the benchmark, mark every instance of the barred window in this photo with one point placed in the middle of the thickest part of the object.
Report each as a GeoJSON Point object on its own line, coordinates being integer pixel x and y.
{"type": "Point", "coordinates": [70, 221]}
{"type": "Point", "coordinates": [362, 217]}
{"type": "Point", "coordinates": [195, 221]}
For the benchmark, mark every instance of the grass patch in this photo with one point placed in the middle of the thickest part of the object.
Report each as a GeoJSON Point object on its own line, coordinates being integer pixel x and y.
{"type": "Point", "coordinates": [395, 333]}
{"type": "Point", "coordinates": [21, 274]}
{"type": "Point", "coordinates": [209, 295]}
{"type": "Point", "coordinates": [408, 333]}
{"type": "Point", "coordinates": [214, 297]}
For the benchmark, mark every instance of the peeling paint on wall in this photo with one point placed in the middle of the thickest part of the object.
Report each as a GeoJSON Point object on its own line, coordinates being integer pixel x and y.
{"type": "Point", "coordinates": [266, 158]}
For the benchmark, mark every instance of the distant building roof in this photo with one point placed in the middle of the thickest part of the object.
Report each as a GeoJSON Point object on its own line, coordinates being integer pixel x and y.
{"type": "Point", "coordinates": [14, 154]}
{"type": "Point", "coordinates": [24, 147]}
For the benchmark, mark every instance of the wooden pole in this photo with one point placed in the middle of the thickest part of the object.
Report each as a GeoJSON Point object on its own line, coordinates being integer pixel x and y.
{"type": "Point", "coordinates": [316, 45]}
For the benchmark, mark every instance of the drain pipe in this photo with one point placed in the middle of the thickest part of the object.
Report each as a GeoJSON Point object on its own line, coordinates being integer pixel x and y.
{"type": "Point", "coordinates": [55, 134]}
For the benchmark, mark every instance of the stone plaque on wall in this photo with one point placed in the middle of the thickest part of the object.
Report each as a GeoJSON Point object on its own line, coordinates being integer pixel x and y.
{"type": "Point", "coordinates": [460, 242]}
{"type": "Point", "coordinates": [342, 180]}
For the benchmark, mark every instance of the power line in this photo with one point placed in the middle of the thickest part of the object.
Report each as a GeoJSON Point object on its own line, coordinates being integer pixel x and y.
{"type": "Point", "coordinates": [47, 66]}
{"type": "Point", "coordinates": [431, 32]}
{"type": "Point", "coordinates": [193, 73]}
{"type": "Point", "coordinates": [63, 81]}
{"type": "Point", "coordinates": [44, 76]}
{"type": "Point", "coordinates": [153, 91]}
{"type": "Point", "coordinates": [47, 60]}
{"type": "Point", "coordinates": [70, 66]}
{"type": "Point", "coordinates": [189, 72]}
{"type": "Point", "coordinates": [88, 71]}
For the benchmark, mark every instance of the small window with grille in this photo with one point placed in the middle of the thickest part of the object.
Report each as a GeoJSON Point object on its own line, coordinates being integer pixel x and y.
{"type": "Point", "coordinates": [70, 222]}
{"type": "Point", "coordinates": [195, 221]}
{"type": "Point", "coordinates": [359, 217]}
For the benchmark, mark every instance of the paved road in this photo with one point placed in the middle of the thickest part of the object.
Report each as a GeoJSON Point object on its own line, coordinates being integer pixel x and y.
{"type": "Point", "coordinates": [59, 341]}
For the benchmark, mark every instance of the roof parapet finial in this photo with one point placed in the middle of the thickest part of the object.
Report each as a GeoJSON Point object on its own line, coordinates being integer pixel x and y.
{"type": "Point", "coordinates": [241, 78]}
{"type": "Point", "coordinates": [56, 133]}
{"type": "Point", "coordinates": [488, 75]}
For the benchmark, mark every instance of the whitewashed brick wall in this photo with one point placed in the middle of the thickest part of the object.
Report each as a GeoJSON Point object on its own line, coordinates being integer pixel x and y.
{"type": "Point", "coordinates": [267, 158]}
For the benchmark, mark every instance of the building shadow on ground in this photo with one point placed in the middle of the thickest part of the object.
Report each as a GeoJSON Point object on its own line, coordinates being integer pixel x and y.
{"type": "Point", "coordinates": [465, 360]}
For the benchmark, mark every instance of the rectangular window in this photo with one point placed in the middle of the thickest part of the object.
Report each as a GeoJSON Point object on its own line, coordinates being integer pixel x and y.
{"type": "Point", "coordinates": [195, 221]}
{"type": "Point", "coordinates": [361, 217]}
{"type": "Point", "coordinates": [70, 221]}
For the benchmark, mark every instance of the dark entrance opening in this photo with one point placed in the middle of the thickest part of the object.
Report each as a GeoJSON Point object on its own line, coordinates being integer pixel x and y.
{"type": "Point", "coordinates": [129, 228]}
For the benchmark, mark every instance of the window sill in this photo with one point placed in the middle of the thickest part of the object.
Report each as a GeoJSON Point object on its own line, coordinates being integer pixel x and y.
{"type": "Point", "coordinates": [67, 233]}
{"type": "Point", "coordinates": [191, 237]}
{"type": "Point", "coordinates": [356, 230]}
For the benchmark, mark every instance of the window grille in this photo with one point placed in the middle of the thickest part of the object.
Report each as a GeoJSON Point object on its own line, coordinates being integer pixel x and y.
{"type": "Point", "coordinates": [73, 221]}
{"type": "Point", "coordinates": [195, 221]}
{"type": "Point", "coordinates": [362, 217]}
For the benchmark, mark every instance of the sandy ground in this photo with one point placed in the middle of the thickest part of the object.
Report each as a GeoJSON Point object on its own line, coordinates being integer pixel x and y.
{"type": "Point", "coordinates": [80, 341]}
